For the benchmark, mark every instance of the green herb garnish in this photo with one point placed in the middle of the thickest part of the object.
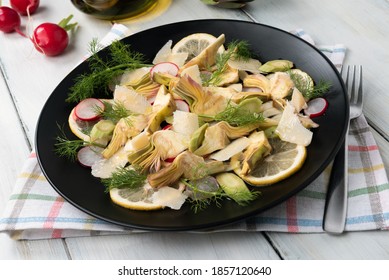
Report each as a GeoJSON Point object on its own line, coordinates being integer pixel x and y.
{"type": "Point", "coordinates": [124, 178]}
{"type": "Point", "coordinates": [104, 71]}
{"type": "Point", "coordinates": [238, 50]}
{"type": "Point", "coordinates": [201, 198]}
{"type": "Point", "coordinates": [236, 115]}
{"type": "Point", "coordinates": [113, 112]}
{"type": "Point", "coordinates": [306, 86]}
{"type": "Point", "coordinates": [67, 148]}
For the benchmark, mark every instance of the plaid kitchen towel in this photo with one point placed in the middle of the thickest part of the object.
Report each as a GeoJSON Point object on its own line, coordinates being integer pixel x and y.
{"type": "Point", "coordinates": [36, 211]}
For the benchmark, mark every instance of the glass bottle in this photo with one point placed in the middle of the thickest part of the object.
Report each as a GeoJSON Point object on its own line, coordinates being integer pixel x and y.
{"type": "Point", "coordinates": [114, 9]}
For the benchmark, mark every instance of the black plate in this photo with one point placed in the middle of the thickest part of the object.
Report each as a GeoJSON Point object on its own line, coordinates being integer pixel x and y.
{"type": "Point", "coordinates": [81, 189]}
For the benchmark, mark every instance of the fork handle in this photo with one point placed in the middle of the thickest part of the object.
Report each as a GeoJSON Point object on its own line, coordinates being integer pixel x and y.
{"type": "Point", "coordinates": [336, 203]}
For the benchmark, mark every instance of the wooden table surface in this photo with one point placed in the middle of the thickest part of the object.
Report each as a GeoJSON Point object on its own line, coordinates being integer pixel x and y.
{"type": "Point", "coordinates": [28, 78]}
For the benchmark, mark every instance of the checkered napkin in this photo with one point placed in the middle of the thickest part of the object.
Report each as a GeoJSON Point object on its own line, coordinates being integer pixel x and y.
{"type": "Point", "coordinates": [36, 211]}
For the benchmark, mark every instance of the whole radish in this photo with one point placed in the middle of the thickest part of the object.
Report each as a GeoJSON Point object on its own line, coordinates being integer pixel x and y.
{"type": "Point", "coordinates": [9, 20]}
{"type": "Point", "coordinates": [52, 39]}
{"type": "Point", "coordinates": [25, 7]}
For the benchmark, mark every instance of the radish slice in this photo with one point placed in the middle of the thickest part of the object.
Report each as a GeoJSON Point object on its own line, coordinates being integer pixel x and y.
{"type": "Point", "coordinates": [87, 156]}
{"type": "Point", "coordinates": [167, 127]}
{"type": "Point", "coordinates": [165, 67]}
{"type": "Point", "coordinates": [182, 105]}
{"type": "Point", "coordinates": [170, 160]}
{"type": "Point", "coordinates": [316, 107]}
{"type": "Point", "coordinates": [87, 109]}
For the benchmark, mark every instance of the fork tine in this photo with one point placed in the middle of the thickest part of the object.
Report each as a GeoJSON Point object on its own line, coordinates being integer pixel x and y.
{"type": "Point", "coordinates": [353, 83]}
{"type": "Point", "coordinates": [360, 95]}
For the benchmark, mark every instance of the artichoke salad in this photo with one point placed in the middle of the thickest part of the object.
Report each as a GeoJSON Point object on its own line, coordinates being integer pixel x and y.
{"type": "Point", "coordinates": [193, 128]}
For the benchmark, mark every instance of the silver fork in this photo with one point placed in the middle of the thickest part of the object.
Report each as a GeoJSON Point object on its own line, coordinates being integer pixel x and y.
{"type": "Point", "coordinates": [336, 203]}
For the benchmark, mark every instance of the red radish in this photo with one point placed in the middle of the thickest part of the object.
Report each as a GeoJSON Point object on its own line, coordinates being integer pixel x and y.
{"type": "Point", "coordinates": [52, 39]}
{"type": "Point", "coordinates": [88, 109]}
{"type": "Point", "coordinates": [170, 160]}
{"type": "Point", "coordinates": [167, 127]}
{"type": "Point", "coordinates": [9, 20]}
{"type": "Point", "coordinates": [24, 7]}
{"type": "Point", "coordinates": [165, 67]}
{"type": "Point", "coordinates": [87, 156]}
{"type": "Point", "coordinates": [316, 107]}
{"type": "Point", "coordinates": [182, 105]}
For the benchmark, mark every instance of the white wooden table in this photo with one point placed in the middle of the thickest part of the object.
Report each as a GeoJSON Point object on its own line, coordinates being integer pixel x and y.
{"type": "Point", "coordinates": [28, 78]}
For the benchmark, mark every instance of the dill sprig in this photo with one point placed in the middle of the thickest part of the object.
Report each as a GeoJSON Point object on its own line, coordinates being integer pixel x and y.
{"type": "Point", "coordinates": [202, 198]}
{"type": "Point", "coordinates": [104, 71]}
{"type": "Point", "coordinates": [67, 148]}
{"type": "Point", "coordinates": [321, 88]}
{"type": "Point", "coordinates": [236, 115]}
{"type": "Point", "coordinates": [306, 86]}
{"type": "Point", "coordinates": [64, 147]}
{"type": "Point", "coordinates": [238, 50]}
{"type": "Point", "coordinates": [113, 112]}
{"type": "Point", "coordinates": [124, 178]}
{"type": "Point", "coordinates": [245, 198]}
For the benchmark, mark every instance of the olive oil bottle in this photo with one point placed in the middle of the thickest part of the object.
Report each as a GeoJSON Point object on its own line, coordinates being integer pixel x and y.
{"type": "Point", "coordinates": [114, 9]}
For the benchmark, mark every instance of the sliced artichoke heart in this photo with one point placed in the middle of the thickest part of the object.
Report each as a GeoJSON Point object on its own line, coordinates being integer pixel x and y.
{"type": "Point", "coordinates": [124, 129]}
{"type": "Point", "coordinates": [162, 78]}
{"type": "Point", "coordinates": [258, 81]}
{"type": "Point", "coordinates": [207, 57]}
{"type": "Point", "coordinates": [218, 136]}
{"type": "Point", "coordinates": [201, 101]}
{"type": "Point", "coordinates": [281, 85]}
{"type": "Point", "coordinates": [140, 81]}
{"type": "Point", "coordinates": [228, 77]}
{"type": "Point", "coordinates": [138, 142]}
{"type": "Point", "coordinates": [215, 138]}
{"type": "Point", "coordinates": [164, 106]}
{"type": "Point", "coordinates": [257, 150]}
{"type": "Point", "coordinates": [169, 143]}
{"type": "Point", "coordinates": [250, 65]}
{"type": "Point", "coordinates": [185, 162]}
{"type": "Point", "coordinates": [197, 137]}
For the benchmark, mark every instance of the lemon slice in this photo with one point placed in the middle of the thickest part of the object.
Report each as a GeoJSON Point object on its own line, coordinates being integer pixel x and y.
{"type": "Point", "coordinates": [76, 128]}
{"type": "Point", "coordinates": [138, 199]}
{"type": "Point", "coordinates": [146, 198]}
{"type": "Point", "coordinates": [285, 159]}
{"type": "Point", "coordinates": [194, 44]}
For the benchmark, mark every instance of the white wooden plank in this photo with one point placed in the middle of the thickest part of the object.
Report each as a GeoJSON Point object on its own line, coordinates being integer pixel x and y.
{"type": "Point", "coordinates": [164, 246]}
{"type": "Point", "coordinates": [13, 151]}
{"type": "Point", "coordinates": [351, 246]}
